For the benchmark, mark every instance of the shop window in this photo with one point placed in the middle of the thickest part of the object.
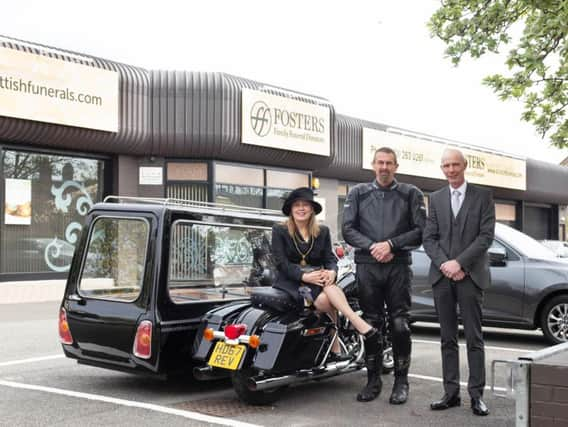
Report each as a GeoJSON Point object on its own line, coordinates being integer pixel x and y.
{"type": "Point", "coordinates": [46, 198]}
{"type": "Point", "coordinates": [239, 175]}
{"type": "Point", "coordinates": [216, 262]}
{"type": "Point", "coordinates": [187, 191]}
{"type": "Point", "coordinates": [275, 198]}
{"type": "Point", "coordinates": [537, 222]}
{"type": "Point", "coordinates": [187, 171]}
{"type": "Point", "coordinates": [241, 195]}
{"type": "Point", "coordinates": [187, 181]}
{"type": "Point", "coordinates": [506, 214]}
{"type": "Point", "coordinates": [284, 179]}
{"type": "Point", "coordinates": [255, 187]}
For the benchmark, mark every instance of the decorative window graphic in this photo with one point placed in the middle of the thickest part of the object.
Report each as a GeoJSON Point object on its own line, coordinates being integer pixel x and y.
{"type": "Point", "coordinates": [60, 191]}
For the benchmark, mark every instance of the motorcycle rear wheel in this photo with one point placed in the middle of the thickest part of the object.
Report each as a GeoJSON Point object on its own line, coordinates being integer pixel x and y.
{"type": "Point", "coordinates": [262, 397]}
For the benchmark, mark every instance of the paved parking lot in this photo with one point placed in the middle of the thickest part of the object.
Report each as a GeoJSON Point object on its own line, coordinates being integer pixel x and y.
{"type": "Point", "coordinates": [39, 387]}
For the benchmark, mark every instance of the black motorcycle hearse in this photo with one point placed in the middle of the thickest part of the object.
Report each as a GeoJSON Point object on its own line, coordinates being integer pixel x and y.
{"type": "Point", "coordinates": [164, 286]}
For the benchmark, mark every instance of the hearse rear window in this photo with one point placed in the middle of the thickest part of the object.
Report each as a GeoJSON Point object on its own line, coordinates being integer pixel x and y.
{"type": "Point", "coordinates": [211, 261]}
{"type": "Point", "coordinates": [114, 264]}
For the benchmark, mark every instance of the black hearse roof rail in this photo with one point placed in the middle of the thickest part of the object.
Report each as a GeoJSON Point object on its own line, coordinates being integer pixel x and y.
{"type": "Point", "coordinates": [202, 207]}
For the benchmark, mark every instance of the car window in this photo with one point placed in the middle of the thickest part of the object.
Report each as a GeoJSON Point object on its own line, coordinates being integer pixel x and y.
{"type": "Point", "coordinates": [212, 261]}
{"type": "Point", "coordinates": [511, 255]}
{"type": "Point", "coordinates": [114, 263]}
{"type": "Point", "coordinates": [523, 243]}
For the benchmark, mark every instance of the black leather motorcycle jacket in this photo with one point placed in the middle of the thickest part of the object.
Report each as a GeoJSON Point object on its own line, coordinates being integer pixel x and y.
{"type": "Point", "coordinates": [375, 214]}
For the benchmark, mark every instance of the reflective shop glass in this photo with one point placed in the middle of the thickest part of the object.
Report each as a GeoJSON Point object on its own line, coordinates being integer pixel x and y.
{"type": "Point", "coordinates": [46, 198]}
{"type": "Point", "coordinates": [275, 198]}
{"type": "Point", "coordinates": [239, 195]}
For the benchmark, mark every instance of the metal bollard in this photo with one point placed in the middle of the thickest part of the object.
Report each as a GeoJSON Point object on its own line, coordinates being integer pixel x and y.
{"type": "Point", "coordinates": [518, 387]}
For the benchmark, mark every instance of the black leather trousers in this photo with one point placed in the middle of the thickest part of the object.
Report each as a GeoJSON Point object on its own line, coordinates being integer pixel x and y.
{"type": "Point", "coordinates": [389, 284]}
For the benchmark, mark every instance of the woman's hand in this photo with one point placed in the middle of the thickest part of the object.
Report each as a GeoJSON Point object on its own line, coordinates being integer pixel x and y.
{"type": "Point", "coordinates": [316, 277]}
{"type": "Point", "coordinates": [329, 277]}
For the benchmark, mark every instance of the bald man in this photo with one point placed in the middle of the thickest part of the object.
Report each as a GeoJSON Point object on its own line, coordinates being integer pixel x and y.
{"type": "Point", "coordinates": [457, 236]}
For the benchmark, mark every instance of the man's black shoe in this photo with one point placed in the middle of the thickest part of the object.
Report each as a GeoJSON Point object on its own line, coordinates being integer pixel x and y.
{"type": "Point", "coordinates": [446, 403]}
{"type": "Point", "coordinates": [478, 407]}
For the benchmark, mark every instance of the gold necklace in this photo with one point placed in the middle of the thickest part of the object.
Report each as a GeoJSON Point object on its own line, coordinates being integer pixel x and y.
{"type": "Point", "coordinates": [303, 262]}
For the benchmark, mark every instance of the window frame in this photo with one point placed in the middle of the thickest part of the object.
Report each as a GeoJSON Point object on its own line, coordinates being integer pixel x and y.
{"type": "Point", "coordinates": [86, 252]}
{"type": "Point", "coordinates": [204, 223]}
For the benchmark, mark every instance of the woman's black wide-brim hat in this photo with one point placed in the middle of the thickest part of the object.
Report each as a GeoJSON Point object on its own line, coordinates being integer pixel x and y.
{"type": "Point", "coordinates": [302, 193]}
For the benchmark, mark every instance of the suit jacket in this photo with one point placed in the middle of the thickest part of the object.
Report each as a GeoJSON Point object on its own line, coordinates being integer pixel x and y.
{"type": "Point", "coordinates": [477, 215]}
{"type": "Point", "coordinates": [287, 258]}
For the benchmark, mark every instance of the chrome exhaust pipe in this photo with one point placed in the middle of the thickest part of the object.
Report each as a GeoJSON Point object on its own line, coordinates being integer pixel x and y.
{"type": "Point", "coordinates": [260, 383]}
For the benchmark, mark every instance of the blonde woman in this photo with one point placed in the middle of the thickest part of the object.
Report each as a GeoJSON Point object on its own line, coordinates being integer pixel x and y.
{"type": "Point", "coordinates": [306, 265]}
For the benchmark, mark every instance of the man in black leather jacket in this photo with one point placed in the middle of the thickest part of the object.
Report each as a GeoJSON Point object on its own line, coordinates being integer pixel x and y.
{"type": "Point", "coordinates": [384, 220]}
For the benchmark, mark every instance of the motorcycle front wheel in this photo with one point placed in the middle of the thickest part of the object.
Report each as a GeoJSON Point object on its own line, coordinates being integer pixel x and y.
{"type": "Point", "coordinates": [262, 397]}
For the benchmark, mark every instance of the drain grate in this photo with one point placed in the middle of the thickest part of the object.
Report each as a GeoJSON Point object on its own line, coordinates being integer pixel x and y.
{"type": "Point", "coordinates": [222, 407]}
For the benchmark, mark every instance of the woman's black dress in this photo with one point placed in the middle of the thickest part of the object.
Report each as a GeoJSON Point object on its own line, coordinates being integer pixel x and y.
{"type": "Point", "coordinates": [287, 259]}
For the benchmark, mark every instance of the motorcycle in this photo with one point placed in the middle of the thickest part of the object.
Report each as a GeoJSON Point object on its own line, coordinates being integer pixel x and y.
{"type": "Point", "coordinates": [267, 345]}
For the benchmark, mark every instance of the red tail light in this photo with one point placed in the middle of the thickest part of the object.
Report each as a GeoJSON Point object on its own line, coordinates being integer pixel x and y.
{"type": "Point", "coordinates": [234, 331]}
{"type": "Point", "coordinates": [143, 340]}
{"type": "Point", "coordinates": [64, 332]}
{"type": "Point", "coordinates": [339, 252]}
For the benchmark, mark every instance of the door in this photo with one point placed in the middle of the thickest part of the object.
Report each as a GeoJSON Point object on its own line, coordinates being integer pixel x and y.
{"type": "Point", "coordinates": [503, 300]}
{"type": "Point", "coordinates": [112, 290]}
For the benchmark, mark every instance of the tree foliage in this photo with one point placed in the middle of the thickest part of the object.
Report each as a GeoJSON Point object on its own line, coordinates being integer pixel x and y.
{"type": "Point", "coordinates": [535, 31]}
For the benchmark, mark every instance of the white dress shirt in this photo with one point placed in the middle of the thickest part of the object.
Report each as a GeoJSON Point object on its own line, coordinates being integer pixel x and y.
{"type": "Point", "coordinates": [461, 190]}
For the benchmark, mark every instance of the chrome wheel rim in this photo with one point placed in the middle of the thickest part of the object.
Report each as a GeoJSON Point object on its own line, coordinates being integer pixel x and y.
{"type": "Point", "coordinates": [388, 359]}
{"type": "Point", "coordinates": [557, 322]}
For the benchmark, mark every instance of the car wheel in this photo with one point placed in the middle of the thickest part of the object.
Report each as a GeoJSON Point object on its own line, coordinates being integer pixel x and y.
{"type": "Point", "coordinates": [554, 319]}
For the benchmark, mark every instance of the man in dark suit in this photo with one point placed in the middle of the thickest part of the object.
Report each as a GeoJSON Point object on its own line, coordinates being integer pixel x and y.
{"type": "Point", "coordinates": [458, 233]}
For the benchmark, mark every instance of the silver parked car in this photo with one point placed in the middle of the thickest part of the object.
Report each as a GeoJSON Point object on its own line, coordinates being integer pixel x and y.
{"type": "Point", "coordinates": [529, 287]}
{"type": "Point", "coordinates": [559, 247]}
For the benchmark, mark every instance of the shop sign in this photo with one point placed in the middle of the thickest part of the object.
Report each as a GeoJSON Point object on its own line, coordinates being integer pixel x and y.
{"type": "Point", "coordinates": [150, 175]}
{"type": "Point", "coordinates": [37, 87]}
{"type": "Point", "coordinates": [283, 123]}
{"type": "Point", "coordinates": [421, 157]}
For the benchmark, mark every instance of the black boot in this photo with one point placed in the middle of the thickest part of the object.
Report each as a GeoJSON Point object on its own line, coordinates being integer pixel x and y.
{"type": "Point", "coordinates": [399, 393]}
{"type": "Point", "coordinates": [374, 360]}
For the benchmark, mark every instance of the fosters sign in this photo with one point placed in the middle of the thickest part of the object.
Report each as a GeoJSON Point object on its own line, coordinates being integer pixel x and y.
{"type": "Point", "coordinates": [422, 157]}
{"type": "Point", "coordinates": [36, 87]}
{"type": "Point", "coordinates": [279, 122]}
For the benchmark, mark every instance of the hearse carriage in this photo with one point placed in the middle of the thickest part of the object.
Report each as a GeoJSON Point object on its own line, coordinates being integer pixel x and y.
{"type": "Point", "coordinates": [146, 271]}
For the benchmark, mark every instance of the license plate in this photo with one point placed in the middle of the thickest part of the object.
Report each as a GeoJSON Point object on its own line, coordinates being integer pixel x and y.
{"type": "Point", "coordinates": [226, 356]}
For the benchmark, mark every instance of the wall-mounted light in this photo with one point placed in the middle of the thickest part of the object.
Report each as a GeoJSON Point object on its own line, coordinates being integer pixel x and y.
{"type": "Point", "coordinates": [315, 183]}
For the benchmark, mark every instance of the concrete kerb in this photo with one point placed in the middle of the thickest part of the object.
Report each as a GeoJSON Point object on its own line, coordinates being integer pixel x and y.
{"type": "Point", "coordinates": [31, 291]}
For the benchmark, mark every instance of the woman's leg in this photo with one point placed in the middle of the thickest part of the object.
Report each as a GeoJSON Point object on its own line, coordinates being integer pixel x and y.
{"type": "Point", "coordinates": [337, 299]}
{"type": "Point", "coordinates": [322, 304]}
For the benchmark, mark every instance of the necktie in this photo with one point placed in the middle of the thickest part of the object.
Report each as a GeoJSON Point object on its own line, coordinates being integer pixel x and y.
{"type": "Point", "coordinates": [455, 202]}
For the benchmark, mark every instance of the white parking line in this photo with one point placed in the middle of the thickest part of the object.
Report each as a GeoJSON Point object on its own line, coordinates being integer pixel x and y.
{"type": "Point", "coordinates": [487, 347]}
{"type": "Point", "coordinates": [149, 406]}
{"type": "Point", "coordinates": [31, 360]}
{"type": "Point", "coordinates": [440, 380]}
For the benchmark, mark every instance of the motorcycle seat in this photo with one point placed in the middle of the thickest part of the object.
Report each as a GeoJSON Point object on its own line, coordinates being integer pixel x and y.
{"type": "Point", "coordinates": [272, 298]}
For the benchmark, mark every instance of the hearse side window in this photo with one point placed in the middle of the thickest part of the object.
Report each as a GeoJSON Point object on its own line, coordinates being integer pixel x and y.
{"type": "Point", "coordinates": [114, 264]}
{"type": "Point", "coordinates": [214, 261]}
